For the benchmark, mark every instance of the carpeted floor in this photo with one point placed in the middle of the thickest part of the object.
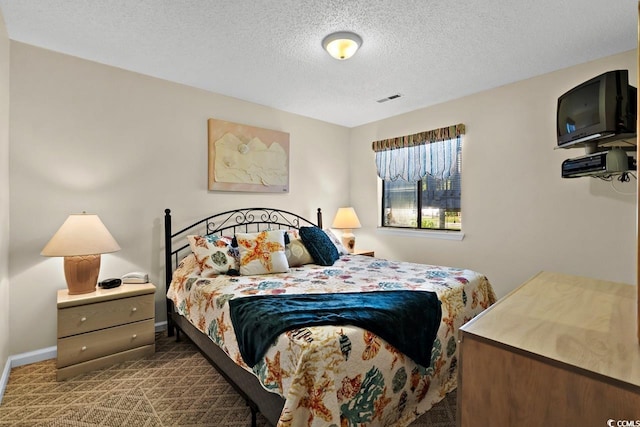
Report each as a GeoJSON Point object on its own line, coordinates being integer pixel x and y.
{"type": "Point", "coordinates": [175, 387]}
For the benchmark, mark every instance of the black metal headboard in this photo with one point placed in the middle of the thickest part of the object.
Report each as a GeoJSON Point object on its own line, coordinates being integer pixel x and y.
{"type": "Point", "coordinates": [238, 220]}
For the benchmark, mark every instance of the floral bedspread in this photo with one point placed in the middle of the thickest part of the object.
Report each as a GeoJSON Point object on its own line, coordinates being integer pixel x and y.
{"type": "Point", "coordinates": [341, 375]}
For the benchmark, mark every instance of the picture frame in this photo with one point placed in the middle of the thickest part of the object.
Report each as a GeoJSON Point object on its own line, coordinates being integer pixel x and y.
{"type": "Point", "coordinates": [247, 158]}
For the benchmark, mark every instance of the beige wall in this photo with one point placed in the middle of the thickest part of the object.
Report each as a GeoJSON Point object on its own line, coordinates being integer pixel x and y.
{"type": "Point", "coordinates": [4, 193]}
{"type": "Point", "coordinates": [125, 146]}
{"type": "Point", "coordinates": [85, 136]}
{"type": "Point", "coordinates": [519, 216]}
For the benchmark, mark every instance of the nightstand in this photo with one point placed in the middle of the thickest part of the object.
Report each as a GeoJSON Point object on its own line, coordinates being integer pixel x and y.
{"type": "Point", "coordinates": [364, 252]}
{"type": "Point", "coordinates": [104, 327]}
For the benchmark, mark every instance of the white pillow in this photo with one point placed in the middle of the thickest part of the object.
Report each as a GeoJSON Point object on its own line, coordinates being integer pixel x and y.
{"type": "Point", "coordinates": [296, 252]}
{"type": "Point", "coordinates": [214, 254]}
{"type": "Point", "coordinates": [262, 253]}
{"type": "Point", "coordinates": [337, 242]}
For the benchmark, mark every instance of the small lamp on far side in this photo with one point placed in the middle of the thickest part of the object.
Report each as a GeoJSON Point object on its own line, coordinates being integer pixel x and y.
{"type": "Point", "coordinates": [346, 219]}
{"type": "Point", "coordinates": [80, 240]}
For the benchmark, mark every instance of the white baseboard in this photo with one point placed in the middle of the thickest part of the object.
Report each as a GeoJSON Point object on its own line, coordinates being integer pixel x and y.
{"type": "Point", "coordinates": [24, 359]}
{"type": "Point", "coordinates": [161, 326]}
{"type": "Point", "coordinates": [33, 356]}
{"type": "Point", "coordinates": [4, 379]}
{"type": "Point", "coordinates": [38, 356]}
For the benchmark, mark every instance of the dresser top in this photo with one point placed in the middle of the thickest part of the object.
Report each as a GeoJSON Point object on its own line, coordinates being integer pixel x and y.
{"type": "Point", "coordinates": [587, 323]}
{"type": "Point", "coordinates": [125, 290]}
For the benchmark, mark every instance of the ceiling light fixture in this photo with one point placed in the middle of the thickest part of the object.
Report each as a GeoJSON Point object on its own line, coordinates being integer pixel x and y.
{"type": "Point", "coordinates": [342, 45]}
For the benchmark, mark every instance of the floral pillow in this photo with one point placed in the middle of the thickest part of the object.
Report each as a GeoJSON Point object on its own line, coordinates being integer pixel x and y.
{"type": "Point", "coordinates": [262, 253]}
{"type": "Point", "coordinates": [188, 265]}
{"type": "Point", "coordinates": [214, 254]}
{"type": "Point", "coordinates": [296, 252]}
{"type": "Point", "coordinates": [336, 242]}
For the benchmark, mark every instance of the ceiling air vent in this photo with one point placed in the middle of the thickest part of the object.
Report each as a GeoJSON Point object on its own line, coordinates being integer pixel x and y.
{"type": "Point", "coordinates": [388, 98]}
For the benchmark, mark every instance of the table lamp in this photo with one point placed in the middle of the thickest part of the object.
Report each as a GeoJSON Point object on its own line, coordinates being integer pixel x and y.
{"type": "Point", "coordinates": [80, 240]}
{"type": "Point", "coordinates": [346, 219]}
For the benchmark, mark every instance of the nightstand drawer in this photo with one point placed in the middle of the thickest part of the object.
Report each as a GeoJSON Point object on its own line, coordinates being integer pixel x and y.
{"type": "Point", "coordinates": [91, 345]}
{"type": "Point", "coordinates": [90, 317]}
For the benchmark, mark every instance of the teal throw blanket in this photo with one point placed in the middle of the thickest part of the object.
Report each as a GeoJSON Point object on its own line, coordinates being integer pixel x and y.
{"type": "Point", "coordinates": [408, 320]}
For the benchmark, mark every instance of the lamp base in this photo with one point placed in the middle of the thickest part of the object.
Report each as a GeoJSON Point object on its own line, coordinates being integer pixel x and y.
{"type": "Point", "coordinates": [349, 241]}
{"type": "Point", "coordinates": [81, 273]}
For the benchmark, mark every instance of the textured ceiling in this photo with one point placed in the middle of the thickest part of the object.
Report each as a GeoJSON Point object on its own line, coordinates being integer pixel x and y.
{"type": "Point", "coordinates": [269, 51]}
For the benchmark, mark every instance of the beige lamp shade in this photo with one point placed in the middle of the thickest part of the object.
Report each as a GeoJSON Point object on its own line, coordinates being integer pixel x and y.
{"type": "Point", "coordinates": [80, 240]}
{"type": "Point", "coordinates": [81, 234]}
{"type": "Point", "coordinates": [346, 219]}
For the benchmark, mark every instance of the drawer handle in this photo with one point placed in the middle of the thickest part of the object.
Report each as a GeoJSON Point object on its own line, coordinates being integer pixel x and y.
{"type": "Point", "coordinates": [134, 309]}
{"type": "Point", "coordinates": [83, 319]}
{"type": "Point", "coordinates": [134, 336]}
{"type": "Point", "coordinates": [84, 347]}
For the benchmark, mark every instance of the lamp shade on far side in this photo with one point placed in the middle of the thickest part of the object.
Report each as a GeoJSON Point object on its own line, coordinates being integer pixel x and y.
{"type": "Point", "coordinates": [346, 219]}
{"type": "Point", "coordinates": [80, 240]}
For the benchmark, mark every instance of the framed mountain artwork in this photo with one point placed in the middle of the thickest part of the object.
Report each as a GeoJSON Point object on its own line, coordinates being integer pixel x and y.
{"type": "Point", "coordinates": [247, 158]}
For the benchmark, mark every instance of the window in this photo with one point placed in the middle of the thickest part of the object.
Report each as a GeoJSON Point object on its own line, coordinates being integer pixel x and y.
{"type": "Point", "coordinates": [421, 184]}
{"type": "Point", "coordinates": [430, 203]}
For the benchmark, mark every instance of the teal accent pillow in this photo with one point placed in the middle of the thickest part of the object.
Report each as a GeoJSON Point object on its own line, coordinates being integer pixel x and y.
{"type": "Point", "coordinates": [321, 248]}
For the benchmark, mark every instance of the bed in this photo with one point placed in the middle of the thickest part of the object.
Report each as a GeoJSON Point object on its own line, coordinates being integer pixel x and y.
{"type": "Point", "coordinates": [321, 374]}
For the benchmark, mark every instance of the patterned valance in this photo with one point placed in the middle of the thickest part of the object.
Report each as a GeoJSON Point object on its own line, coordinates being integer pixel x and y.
{"type": "Point", "coordinates": [421, 138]}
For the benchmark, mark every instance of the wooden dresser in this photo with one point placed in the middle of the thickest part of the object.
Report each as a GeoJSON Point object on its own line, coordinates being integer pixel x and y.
{"type": "Point", "coordinates": [104, 327]}
{"type": "Point", "coordinates": [560, 350]}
